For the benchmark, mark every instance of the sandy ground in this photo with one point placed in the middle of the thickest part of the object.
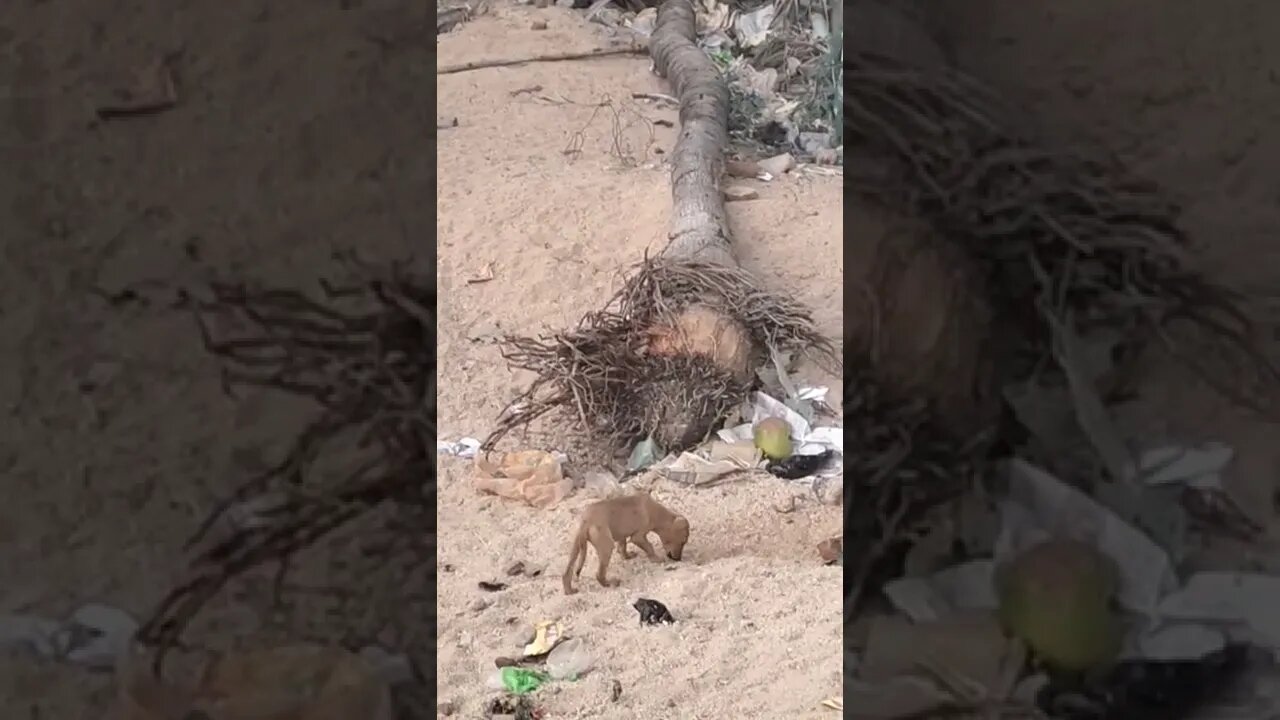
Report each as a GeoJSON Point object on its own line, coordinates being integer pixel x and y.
{"type": "Point", "coordinates": [759, 616]}
{"type": "Point", "coordinates": [300, 130]}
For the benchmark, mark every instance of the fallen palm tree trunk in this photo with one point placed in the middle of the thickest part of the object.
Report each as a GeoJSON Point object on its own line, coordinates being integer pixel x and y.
{"type": "Point", "coordinates": [676, 349]}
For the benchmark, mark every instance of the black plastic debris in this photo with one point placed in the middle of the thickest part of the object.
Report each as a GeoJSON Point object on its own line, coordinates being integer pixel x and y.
{"type": "Point", "coordinates": [653, 612]}
{"type": "Point", "coordinates": [798, 466]}
{"type": "Point", "coordinates": [520, 708]}
{"type": "Point", "coordinates": [1149, 690]}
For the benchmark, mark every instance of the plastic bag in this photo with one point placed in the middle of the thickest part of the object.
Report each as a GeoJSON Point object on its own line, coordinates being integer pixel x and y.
{"type": "Point", "coordinates": [533, 476]}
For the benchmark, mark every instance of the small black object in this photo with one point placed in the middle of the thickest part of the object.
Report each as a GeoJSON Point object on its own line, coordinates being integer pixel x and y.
{"type": "Point", "coordinates": [492, 586]}
{"type": "Point", "coordinates": [653, 612]}
{"type": "Point", "coordinates": [1149, 690]}
{"type": "Point", "coordinates": [798, 466]}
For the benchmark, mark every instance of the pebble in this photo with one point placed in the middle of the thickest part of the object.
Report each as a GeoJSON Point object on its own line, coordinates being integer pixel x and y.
{"type": "Point", "coordinates": [480, 604]}
{"type": "Point", "coordinates": [738, 193]}
{"type": "Point", "coordinates": [515, 568]}
{"type": "Point", "coordinates": [446, 709]}
{"type": "Point", "coordinates": [539, 25]}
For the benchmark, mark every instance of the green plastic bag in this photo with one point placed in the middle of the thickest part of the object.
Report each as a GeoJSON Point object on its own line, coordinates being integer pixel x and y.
{"type": "Point", "coordinates": [521, 681]}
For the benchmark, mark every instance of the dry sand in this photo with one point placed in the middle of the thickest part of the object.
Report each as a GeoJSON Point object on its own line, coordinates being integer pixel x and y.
{"type": "Point", "coordinates": [758, 631]}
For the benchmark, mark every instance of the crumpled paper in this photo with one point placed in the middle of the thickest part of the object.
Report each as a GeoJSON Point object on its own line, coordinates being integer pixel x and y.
{"type": "Point", "coordinates": [534, 476]}
{"type": "Point", "coordinates": [1039, 507]}
{"type": "Point", "coordinates": [464, 448]}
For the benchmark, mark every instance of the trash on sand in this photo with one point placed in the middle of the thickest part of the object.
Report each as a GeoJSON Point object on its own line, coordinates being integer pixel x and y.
{"type": "Point", "coordinates": [968, 586]}
{"type": "Point", "coordinates": [489, 586]}
{"type": "Point", "coordinates": [546, 635]}
{"type": "Point", "coordinates": [533, 476]}
{"type": "Point", "coordinates": [913, 670]}
{"type": "Point", "coordinates": [1199, 468]}
{"type": "Point", "coordinates": [807, 439]}
{"type": "Point", "coordinates": [515, 680]}
{"type": "Point", "coordinates": [486, 273]}
{"type": "Point", "coordinates": [94, 636]}
{"type": "Point", "coordinates": [645, 453]}
{"type": "Point", "coordinates": [752, 28]}
{"type": "Point", "coordinates": [777, 165]}
{"type": "Point", "coordinates": [296, 681]}
{"type": "Point", "coordinates": [644, 22]}
{"type": "Point", "coordinates": [1039, 506]}
{"type": "Point", "coordinates": [831, 550]}
{"type": "Point", "coordinates": [1228, 598]}
{"type": "Point", "coordinates": [152, 91]}
{"type": "Point", "coordinates": [652, 612]}
{"type": "Point", "coordinates": [569, 660]}
{"type": "Point", "coordinates": [693, 469]}
{"type": "Point", "coordinates": [1208, 687]}
{"type": "Point", "coordinates": [773, 436]}
{"type": "Point", "coordinates": [743, 454]}
{"type": "Point", "coordinates": [464, 448]}
{"type": "Point", "coordinates": [834, 703]}
{"type": "Point", "coordinates": [799, 466]}
{"type": "Point", "coordinates": [1057, 597]}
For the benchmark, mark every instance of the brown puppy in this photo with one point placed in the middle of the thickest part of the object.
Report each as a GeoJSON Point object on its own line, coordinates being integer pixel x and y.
{"type": "Point", "coordinates": [618, 520]}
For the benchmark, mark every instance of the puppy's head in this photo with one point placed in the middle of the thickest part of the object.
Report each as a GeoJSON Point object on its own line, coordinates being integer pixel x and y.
{"type": "Point", "coordinates": [674, 538]}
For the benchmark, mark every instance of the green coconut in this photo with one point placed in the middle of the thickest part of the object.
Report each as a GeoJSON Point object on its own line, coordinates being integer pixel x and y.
{"type": "Point", "coordinates": [1057, 597]}
{"type": "Point", "coordinates": [773, 437]}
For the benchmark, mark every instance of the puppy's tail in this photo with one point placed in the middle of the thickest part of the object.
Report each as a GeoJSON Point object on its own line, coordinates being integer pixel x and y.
{"type": "Point", "coordinates": [578, 550]}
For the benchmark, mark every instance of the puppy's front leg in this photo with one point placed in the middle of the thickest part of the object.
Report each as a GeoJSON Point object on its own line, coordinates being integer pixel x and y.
{"type": "Point", "coordinates": [642, 542]}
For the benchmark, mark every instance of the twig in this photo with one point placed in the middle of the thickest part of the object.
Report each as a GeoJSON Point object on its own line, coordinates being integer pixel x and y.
{"type": "Point", "coordinates": [558, 57]}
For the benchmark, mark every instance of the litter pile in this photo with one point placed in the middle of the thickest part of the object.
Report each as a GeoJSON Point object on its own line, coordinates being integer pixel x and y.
{"type": "Point", "coordinates": [1044, 572]}
{"type": "Point", "coordinates": [782, 60]}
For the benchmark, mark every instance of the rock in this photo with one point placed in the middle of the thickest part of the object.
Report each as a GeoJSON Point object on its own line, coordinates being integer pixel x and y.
{"type": "Point", "coordinates": [812, 142]}
{"type": "Point", "coordinates": [831, 490]}
{"type": "Point", "coordinates": [515, 568]}
{"type": "Point", "coordinates": [480, 604]}
{"type": "Point", "coordinates": [538, 25]}
{"type": "Point", "coordinates": [446, 708]}
{"type": "Point", "coordinates": [778, 164]}
{"type": "Point", "coordinates": [739, 193]}
{"type": "Point", "coordinates": [826, 156]}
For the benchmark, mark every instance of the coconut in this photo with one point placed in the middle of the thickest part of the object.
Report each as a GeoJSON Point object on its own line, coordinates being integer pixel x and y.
{"type": "Point", "coordinates": [921, 319]}
{"type": "Point", "coordinates": [773, 437]}
{"type": "Point", "coordinates": [700, 330]}
{"type": "Point", "coordinates": [1056, 596]}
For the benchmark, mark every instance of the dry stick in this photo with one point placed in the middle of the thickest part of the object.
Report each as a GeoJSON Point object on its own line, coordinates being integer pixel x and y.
{"type": "Point", "coordinates": [558, 57]}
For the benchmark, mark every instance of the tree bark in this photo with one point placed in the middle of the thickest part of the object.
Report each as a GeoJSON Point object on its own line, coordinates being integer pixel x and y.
{"type": "Point", "coordinates": [699, 225]}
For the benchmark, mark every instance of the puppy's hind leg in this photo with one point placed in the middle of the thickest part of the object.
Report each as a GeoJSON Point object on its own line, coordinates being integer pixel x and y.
{"type": "Point", "coordinates": [622, 548]}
